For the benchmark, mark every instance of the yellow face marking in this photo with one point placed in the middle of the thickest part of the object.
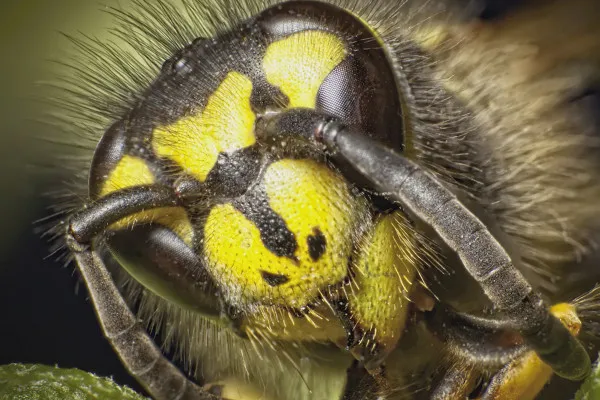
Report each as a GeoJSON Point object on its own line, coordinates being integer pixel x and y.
{"type": "Point", "coordinates": [385, 271]}
{"type": "Point", "coordinates": [130, 171]}
{"type": "Point", "coordinates": [299, 63]}
{"type": "Point", "coordinates": [526, 376]}
{"type": "Point", "coordinates": [308, 196]}
{"type": "Point", "coordinates": [224, 125]}
{"type": "Point", "coordinates": [133, 171]}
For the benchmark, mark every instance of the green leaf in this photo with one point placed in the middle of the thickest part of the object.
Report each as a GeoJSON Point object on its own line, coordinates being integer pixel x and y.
{"type": "Point", "coordinates": [41, 382]}
{"type": "Point", "coordinates": [590, 390]}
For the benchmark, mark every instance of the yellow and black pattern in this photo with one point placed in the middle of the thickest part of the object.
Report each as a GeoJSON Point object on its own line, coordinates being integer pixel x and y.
{"type": "Point", "coordinates": [282, 236]}
{"type": "Point", "coordinates": [290, 246]}
{"type": "Point", "coordinates": [277, 231]}
{"type": "Point", "coordinates": [385, 271]}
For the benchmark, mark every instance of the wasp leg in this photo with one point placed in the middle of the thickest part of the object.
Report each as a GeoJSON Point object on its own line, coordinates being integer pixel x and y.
{"type": "Point", "coordinates": [485, 343]}
{"type": "Point", "coordinates": [477, 345]}
{"type": "Point", "coordinates": [526, 376]}
{"type": "Point", "coordinates": [140, 355]}
{"type": "Point", "coordinates": [361, 385]}
{"type": "Point", "coordinates": [457, 383]}
{"type": "Point", "coordinates": [405, 182]}
{"type": "Point", "coordinates": [151, 253]}
{"type": "Point", "coordinates": [482, 344]}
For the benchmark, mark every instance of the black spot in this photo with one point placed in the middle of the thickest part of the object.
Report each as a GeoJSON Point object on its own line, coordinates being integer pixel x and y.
{"type": "Point", "coordinates": [274, 233]}
{"type": "Point", "coordinates": [265, 96]}
{"type": "Point", "coordinates": [274, 279]}
{"type": "Point", "coordinates": [316, 244]}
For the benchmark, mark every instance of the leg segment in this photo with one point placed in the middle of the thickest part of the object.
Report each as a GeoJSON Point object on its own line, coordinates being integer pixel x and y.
{"type": "Point", "coordinates": [457, 383]}
{"type": "Point", "coordinates": [474, 341]}
{"type": "Point", "coordinates": [360, 385]}
{"type": "Point", "coordinates": [93, 220]}
{"type": "Point", "coordinates": [135, 348]}
{"type": "Point", "coordinates": [484, 258]}
{"type": "Point", "coordinates": [140, 355]}
{"type": "Point", "coordinates": [526, 376]}
{"type": "Point", "coordinates": [486, 343]}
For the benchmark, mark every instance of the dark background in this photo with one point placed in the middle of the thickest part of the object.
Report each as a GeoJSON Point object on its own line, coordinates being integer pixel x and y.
{"type": "Point", "coordinates": [46, 317]}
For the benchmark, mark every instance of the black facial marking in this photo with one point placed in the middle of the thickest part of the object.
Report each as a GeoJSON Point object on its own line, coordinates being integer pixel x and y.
{"type": "Point", "coordinates": [234, 172]}
{"type": "Point", "coordinates": [273, 279]}
{"type": "Point", "coordinates": [265, 96]}
{"type": "Point", "coordinates": [316, 244]}
{"type": "Point", "coordinates": [274, 232]}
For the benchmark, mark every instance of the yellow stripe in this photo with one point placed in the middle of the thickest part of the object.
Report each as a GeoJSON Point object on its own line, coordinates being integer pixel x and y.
{"type": "Point", "coordinates": [133, 171]}
{"type": "Point", "coordinates": [385, 271]}
{"type": "Point", "coordinates": [224, 125]}
{"type": "Point", "coordinates": [130, 171]}
{"type": "Point", "coordinates": [299, 63]}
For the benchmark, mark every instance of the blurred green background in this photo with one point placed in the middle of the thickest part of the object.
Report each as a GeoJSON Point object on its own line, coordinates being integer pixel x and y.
{"type": "Point", "coordinates": [45, 317]}
{"type": "Point", "coordinates": [29, 39]}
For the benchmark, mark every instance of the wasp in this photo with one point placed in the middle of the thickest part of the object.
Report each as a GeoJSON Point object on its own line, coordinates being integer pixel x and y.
{"type": "Point", "coordinates": [323, 200]}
